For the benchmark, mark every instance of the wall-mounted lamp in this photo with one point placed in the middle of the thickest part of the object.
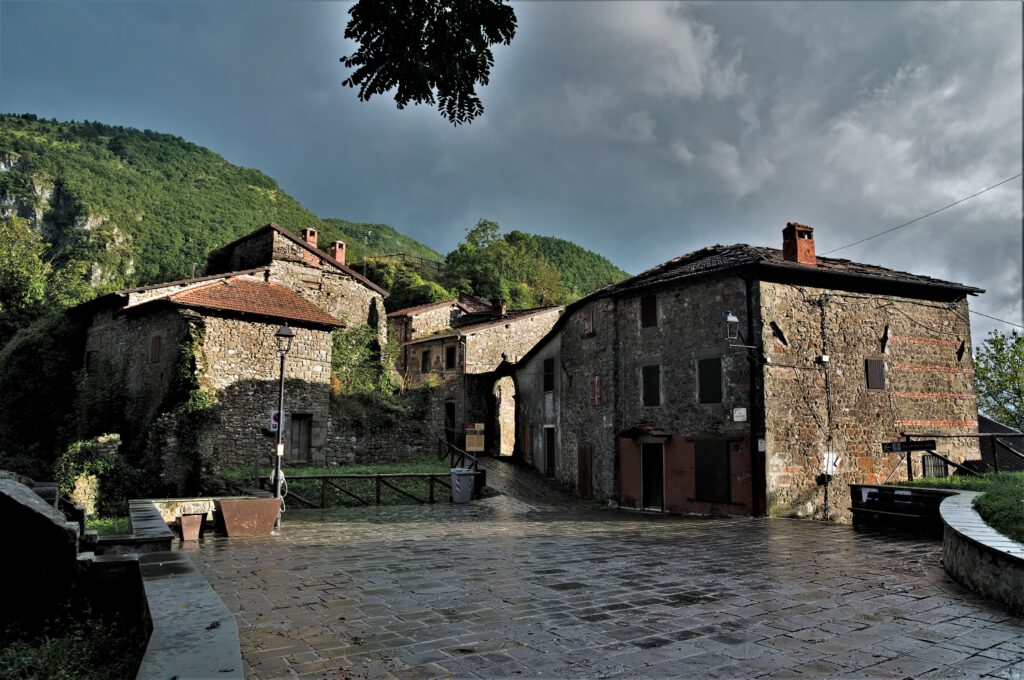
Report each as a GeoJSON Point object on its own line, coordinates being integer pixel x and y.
{"type": "Point", "coordinates": [732, 331]}
{"type": "Point", "coordinates": [732, 327]}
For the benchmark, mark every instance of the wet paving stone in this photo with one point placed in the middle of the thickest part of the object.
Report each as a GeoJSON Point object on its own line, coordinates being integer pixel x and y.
{"type": "Point", "coordinates": [539, 585]}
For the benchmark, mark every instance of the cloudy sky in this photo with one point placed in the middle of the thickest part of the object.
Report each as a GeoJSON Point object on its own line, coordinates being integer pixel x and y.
{"type": "Point", "coordinates": [639, 130]}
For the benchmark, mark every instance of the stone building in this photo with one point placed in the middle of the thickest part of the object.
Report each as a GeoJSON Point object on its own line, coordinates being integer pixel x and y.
{"type": "Point", "coordinates": [147, 347]}
{"type": "Point", "coordinates": [461, 360]}
{"type": "Point", "coordinates": [636, 395]}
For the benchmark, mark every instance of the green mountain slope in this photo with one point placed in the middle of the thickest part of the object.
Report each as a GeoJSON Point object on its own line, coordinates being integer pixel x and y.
{"type": "Point", "coordinates": [382, 240]}
{"type": "Point", "coordinates": [582, 271]}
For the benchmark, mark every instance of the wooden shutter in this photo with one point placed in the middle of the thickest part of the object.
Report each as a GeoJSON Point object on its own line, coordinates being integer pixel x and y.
{"type": "Point", "coordinates": [549, 375]}
{"type": "Point", "coordinates": [874, 369]}
{"type": "Point", "coordinates": [154, 349]}
{"type": "Point", "coordinates": [648, 311]}
{"type": "Point", "coordinates": [588, 322]}
{"type": "Point", "coordinates": [652, 385]}
{"type": "Point", "coordinates": [709, 380]}
{"type": "Point", "coordinates": [595, 390]}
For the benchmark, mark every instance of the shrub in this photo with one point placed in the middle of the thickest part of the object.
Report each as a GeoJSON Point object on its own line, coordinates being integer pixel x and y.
{"type": "Point", "coordinates": [118, 480]}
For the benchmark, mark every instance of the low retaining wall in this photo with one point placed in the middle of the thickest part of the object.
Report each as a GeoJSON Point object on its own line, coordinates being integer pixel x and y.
{"type": "Point", "coordinates": [979, 557]}
{"type": "Point", "coordinates": [194, 635]}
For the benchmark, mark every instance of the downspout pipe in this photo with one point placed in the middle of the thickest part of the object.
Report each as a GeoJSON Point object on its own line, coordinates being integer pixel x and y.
{"type": "Point", "coordinates": [758, 476]}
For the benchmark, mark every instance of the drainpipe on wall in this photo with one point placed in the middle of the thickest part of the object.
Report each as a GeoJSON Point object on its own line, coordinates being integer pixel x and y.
{"type": "Point", "coordinates": [616, 413]}
{"type": "Point", "coordinates": [755, 364]}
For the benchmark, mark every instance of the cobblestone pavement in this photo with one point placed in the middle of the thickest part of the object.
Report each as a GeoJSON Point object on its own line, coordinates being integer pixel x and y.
{"type": "Point", "coordinates": [516, 587]}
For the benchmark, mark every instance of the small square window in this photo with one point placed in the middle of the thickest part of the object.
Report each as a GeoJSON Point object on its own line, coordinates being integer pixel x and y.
{"type": "Point", "coordinates": [874, 370]}
{"type": "Point", "coordinates": [549, 375]}
{"type": "Point", "coordinates": [652, 385]}
{"type": "Point", "coordinates": [648, 311]}
{"type": "Point", "coordinates": [425, 361]}
{"type": "Point", "coordinates": [709, 380]}
{"type": "Point", "coordinates": [449, 358]}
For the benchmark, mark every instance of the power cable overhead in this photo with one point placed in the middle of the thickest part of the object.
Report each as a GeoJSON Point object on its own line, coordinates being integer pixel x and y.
{"type": "Point", "coordinates": [918, 219]}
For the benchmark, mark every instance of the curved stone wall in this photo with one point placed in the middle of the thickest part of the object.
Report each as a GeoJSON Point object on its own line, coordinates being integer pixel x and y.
{"type": "Point", "coordinates": [978, 556]}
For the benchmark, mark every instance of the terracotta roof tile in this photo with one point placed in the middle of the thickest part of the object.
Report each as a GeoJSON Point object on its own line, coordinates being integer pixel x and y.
{"type": "Point", "coordinates": [248, 295]}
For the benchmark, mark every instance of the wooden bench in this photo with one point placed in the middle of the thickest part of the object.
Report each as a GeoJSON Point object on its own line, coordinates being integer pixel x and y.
{"type": "Point", "coordinates": [897, 506]}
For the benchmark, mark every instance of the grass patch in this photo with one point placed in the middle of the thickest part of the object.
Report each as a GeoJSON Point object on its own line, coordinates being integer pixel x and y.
{"type": "Point", "coordinates": [1001, 504]}
{"type": "Point", "coordinates": [109, 526]}
{"type": "Point", "coordinates": [365, 489]}
{"type": "Point", "coordinates": [79, 651]}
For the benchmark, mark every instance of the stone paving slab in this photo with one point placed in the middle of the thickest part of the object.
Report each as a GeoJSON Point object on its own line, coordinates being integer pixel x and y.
{"type": "Point", "coordinates": [537, 587]}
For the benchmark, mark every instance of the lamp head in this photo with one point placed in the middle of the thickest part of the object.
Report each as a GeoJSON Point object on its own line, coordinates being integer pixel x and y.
{"type": "Point", "coordinates": [284, 337]}
{"type": "Point", "coordinates": [732, 326]}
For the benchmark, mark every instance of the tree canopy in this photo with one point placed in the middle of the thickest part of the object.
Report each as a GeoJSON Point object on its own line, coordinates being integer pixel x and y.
{"type": "Point", "coordinates": [999, 374]}
{"type": "Point", "coordinates": [428, 51]}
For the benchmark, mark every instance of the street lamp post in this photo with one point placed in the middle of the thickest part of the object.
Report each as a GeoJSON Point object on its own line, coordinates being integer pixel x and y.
{"type": "Point", "coordinates": [283, 337]}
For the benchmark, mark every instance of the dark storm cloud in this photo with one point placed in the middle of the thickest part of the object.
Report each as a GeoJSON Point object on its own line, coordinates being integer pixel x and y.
{"type": "Point", "coordinates": [640, 130]}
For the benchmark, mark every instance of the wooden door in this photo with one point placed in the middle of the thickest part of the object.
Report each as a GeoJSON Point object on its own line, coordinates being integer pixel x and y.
{"type": "Point", "coordinates": [584, 472]}
{"type": "Point", "coordinates": [549, 451]}
{"type": "Point", "coordinates": [652, 476]}
{"type": "Point", "coordinates": [300, 435]}
{"type": "Point", "coordinates": [711, 470]}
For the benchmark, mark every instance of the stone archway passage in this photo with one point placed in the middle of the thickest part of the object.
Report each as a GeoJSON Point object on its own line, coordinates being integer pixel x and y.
{"type": "Point", "coordinates": [505, 416]}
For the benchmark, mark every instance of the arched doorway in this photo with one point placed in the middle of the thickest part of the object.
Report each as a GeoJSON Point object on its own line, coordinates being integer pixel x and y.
{"type": "Point", "coordinates": [505, 416]}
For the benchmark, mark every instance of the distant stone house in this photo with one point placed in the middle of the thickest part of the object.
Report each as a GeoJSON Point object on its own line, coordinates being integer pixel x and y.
{"type": "Point", "coordinates": [457, 346]}
{"type": "Point", "coordinates": [220, 329]}
{"type": "Point", "coordinates": [637, 396]}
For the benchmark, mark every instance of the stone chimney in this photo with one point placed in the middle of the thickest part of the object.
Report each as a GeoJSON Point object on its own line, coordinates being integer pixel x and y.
{"type": "Point", "coordinates": [338, 251]}
{"type": "Point", "coordinates": [309, 236]}
{"type": "Point", "coordinates": [798, 244]}
{"type": "Point", "coordinates": [498, 310]}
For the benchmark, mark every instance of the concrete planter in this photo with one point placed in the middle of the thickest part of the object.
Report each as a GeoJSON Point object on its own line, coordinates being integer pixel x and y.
{"type": "Point", "coordinates": [190, 526]}
{"type": "Point", "coordinates": [246, 516]}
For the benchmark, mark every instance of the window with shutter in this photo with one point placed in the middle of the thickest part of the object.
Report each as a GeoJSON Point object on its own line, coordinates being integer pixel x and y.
{"type": "Point", "coordinates": [652, 385]}
{"type": "Point", "coordinates": [709, 380]}
{"type": "Point", "coordinates": [154, 349]}
{"type": "Point", "coordinates": [549, 375]}
{"type": "Point", "coordinates": [449, 358]}
{"type": "Point", "coordinates": [595, 390]}
{"type": "Point", "coordinates": [425, 361]}
{"type": "Point", "coordinates": [648, 311]}
{"type": "Point", "coordinates": [588, 322]}
{"type": "Point", "coordinates": [875, 371]}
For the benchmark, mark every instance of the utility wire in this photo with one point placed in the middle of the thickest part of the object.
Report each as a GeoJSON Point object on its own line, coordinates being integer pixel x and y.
{"type": "Point", "coordinates": [1008, 323]}
{"type": "Point", "coordinates": [918, 219]}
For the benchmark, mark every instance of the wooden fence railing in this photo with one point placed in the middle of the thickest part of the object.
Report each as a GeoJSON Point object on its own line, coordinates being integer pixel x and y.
{"type": "Point", "coordinates": [456, 456]}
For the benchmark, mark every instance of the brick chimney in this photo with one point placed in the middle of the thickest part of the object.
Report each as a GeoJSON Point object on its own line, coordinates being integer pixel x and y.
{"type": "Point", "coordinates": [309, 236]}
{"type": "Point", "coordinates": [338, 251]}
{"type": "Point", "coordinates": [498, 310]}
{"type": "Point", "coordinates": [798, 244]}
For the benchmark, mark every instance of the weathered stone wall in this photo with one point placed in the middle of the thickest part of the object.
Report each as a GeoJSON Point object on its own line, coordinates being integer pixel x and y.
{"type": "Point", "coordinates": [241, 366]}
{"type": "Point", "coordinates": [812, 407]}
{"type": "Point", "coordinates": [512, 336]}
{"type": "Point", "coordinates": [247, 253]}
{"type": "Point", "coordinates": [434, 320]}
{"type": "Point", "coordinates": [126, 381]}
{"type": "Point", "coordinates": [583, 356]}
{"type": "Point", "coordinates": [537, 409]}
{"type": "Point", "coordinates": [412, 437]}
{"type": "Point", "coordinates": [328, 287]}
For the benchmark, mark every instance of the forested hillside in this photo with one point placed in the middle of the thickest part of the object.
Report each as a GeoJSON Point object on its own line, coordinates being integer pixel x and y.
{"type": "Point", "coordinates": [122, 207]}
{"type": "Point", "coordinates": [582, 270]}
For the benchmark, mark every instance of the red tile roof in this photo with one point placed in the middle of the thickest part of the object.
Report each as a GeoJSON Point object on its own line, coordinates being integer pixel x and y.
{"type": "Point", "coordinates": [409, 311]}
{"type": "Point", "coordinates": [248, 295]}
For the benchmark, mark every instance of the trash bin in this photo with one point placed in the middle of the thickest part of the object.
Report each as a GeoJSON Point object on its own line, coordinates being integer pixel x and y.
{"type": "Point", "coordinates": [462, 485]}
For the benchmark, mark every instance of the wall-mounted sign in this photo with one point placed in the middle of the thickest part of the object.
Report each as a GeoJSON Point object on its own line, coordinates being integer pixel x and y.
{"type": "Point", "coordinates": [896, 447]}
{"type": "Point", "coordinates": [761, 446]}
{"type": "Point", "coordinates": [739, 415]}
{"type": "Point", "coordinates": [829, 463]}
{"type": "Point", "coordinates": [275, 420]}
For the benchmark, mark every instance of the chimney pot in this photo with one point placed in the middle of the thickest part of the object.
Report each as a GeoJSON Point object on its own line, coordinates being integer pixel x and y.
{"type": "Point", "coordinates": [798, 244]}
{"type": "Point", "coordinates": [498, 308]}
{"type": "Point", "coordinates": [338, 251]}
{"type": "Point", "coordinates": [309, 236]}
